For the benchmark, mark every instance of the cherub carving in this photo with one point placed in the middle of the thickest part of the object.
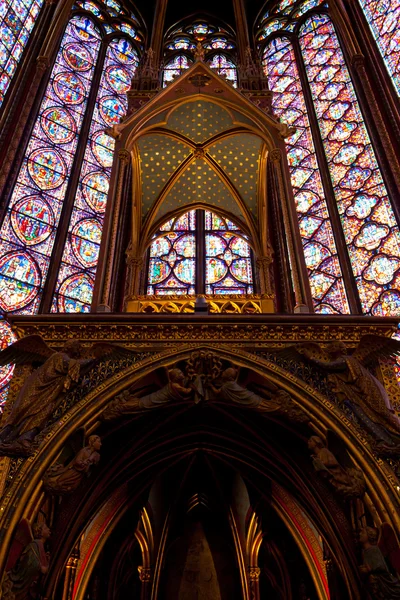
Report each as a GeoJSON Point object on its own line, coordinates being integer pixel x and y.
{"type": "Point", "coordinates": [231, 391]}
{"type": "Point", "coordinates": [127, 403]}
{"type": "Point", "coordinates": [349, 377]}
{"type": "Point", "coordinates": [347, 481]}
{"type": "Point", "coordinates": [27, 562]}
{"type": "Point", "coordinates": [381, 584]}
{"type": "Point", "coordinates": [63, 479]}
{"type": "Point", "coordinates": [43, 390]}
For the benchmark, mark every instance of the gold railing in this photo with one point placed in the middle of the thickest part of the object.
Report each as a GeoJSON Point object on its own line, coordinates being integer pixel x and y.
{"type": "Point", "coordinates": [221, 304]}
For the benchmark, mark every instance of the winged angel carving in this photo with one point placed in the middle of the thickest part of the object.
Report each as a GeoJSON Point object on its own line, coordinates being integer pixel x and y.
{"type": "Point", "coordinates": [44, 389]}
{"type": "Point", "coordinates": [354, 384]}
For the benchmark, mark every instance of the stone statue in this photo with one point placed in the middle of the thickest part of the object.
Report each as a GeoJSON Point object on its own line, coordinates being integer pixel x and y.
{"type": "Point", "coordinates": [354, 384]}
{"type": "Point", "coordinates": [27, 562]}
{"type": "Point", "coordinates": [127, 404]}
{"type": "Point", "coordinates": [62, 480]}
{"type": "Point", "coordinates": [348, 482]}
{"type": "Point", "coordinates": [44, 389]}
{"type": "Point", "coordinates": [199, 53]}
{"type": "Point", "coordinates": [381, 584]}
{"type": "Point", "coordinates": [231, 391]}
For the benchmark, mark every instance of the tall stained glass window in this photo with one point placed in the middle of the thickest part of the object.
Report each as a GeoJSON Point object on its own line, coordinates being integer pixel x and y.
{"type": "Point", "coordinates": [352, 186]}
{"type": "Point", "coordinates": [200, 252]}
{"type": "Point", "coordinates": [383, 17]}
{"type": "Point", "coordinates": [17, 20]}
{"type": "Point", "coordinates": [65, 171]}
{"type": "Point", "coordinates": [28, 232]}
{"type": "Point", "coordinates": [369, 225]}
{"type": "Point", "coordinates": [326, 279]}
{"type": "Point", "coordinates": [79, 261]}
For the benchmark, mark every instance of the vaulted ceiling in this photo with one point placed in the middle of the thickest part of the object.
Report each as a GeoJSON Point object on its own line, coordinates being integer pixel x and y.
{"type": "Point", "coordinates": [199, 156]}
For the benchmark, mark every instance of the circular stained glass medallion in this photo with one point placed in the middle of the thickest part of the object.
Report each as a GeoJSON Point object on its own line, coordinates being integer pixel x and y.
{"type": "Point", "coordinates": [69, 88]}
{"type": "Point", "coordinates": [112, 109]}
{"type": "Point", "coordinates": [77, 57]}
{"type": "Point", "coordinates": [103, 149]}
{"type": "Point", "coordinates": [95, 189]}
{"type": "Point", "coordinates": [7, 337]}
{"type": "Point", "coordinates": [19, 280]}
{"type": "Point", "coordinates": [119, 79]}
{"type": "Point", "coordinates": [85, 240]}
{"type": "Point", "coordinates": [123, 52]}
{"type": "Point", "coordinates": [47, 168]}
{"type": "Point", "coordinates": [75, 293]}
{"type": "Point", "coordinates": [58, 125]}
{"type": "Point", "coordinates": [32, 220]}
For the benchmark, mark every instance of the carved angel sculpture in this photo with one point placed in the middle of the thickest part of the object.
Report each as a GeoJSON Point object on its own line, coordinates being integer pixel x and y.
{"type": "Point", "coordinates": [65, 479]}
{"type": "Point", "coordinates": [348, 481]}
{"type": "Point", "coordinates": [127, 403]}
{"type": "Point", "coordinates": [44, 388]}
{"type": "Point", "coordinates": [353, 383]}
{"type": "Point", "coordinates": [27, 561]}
{"type": "Point", "coordinates": [381, 584]}
{"type": "Point", "coordinates": [231, 391]}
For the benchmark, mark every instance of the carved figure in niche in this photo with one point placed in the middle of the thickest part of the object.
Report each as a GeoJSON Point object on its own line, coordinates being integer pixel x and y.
{"type": "Point", "coordinates": [27, 562]}
{"type": "Point", "coordinates": [348, 482]}
{"type": "Point", "coordinates": [43, 390]}
{"type": "Point", "coordinates": [355, 385]}
{"type": "Point", "coordinates": [65, 479]}
{"type": "Point", "coordinates": [231, 391]}
{"type": "Point", "coordinates": [380, 583]}
{"type": "Point", "coordinates": [127, 404]}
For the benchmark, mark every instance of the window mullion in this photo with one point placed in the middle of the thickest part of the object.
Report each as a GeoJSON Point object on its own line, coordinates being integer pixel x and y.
{"type": "Point", "coordinates": [351, 288]}
{"type": "Point", "coordinates": [200, 252]}
{"type": "Point", "coordinates": [68, 205]}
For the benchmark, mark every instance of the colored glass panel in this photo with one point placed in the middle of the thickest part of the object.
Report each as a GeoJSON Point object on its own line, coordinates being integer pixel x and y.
{"type": "Point", "coordinates": [228, 265]}
{"type": "Point", "coordinates": [17, 20]}
{"type": "Point", "coordinates": [368, 221]}
{"type": "Point", "coordinates": [28, 231]}
{"type": "Point", "coordinates": [174, 68]}
{"type": "Point", "coordinates": [224, 67]}
{"type": "Point", "coordinates": [326, 280]}
{"type": "Point", "coordinates": [172, 262]}
{"type": "Point", "coordinates": [383, 17]}
{"type": "Point", "coordinates": [7, 337]}
{"type": "Point", "coordinates": [77, 272]}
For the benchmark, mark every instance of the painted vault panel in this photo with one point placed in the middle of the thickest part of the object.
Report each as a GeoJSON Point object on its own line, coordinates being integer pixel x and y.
{"type": "Point", "coordinates": [199, 120]}
{"type": "Point", "coordinates": [199, 183]}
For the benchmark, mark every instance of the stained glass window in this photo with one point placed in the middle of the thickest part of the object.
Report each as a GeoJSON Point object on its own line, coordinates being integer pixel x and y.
{"type": "Point", "coordinates": [182, 242]}
{"type": "Point", "coordinates": [224, 67]}
{"type": "Point", "coordinates": [211, 38]}
{"type": "Point", "coordinates": [326, 280]}
{"type": "Point", "coordinates": [78, 266]}
{"type": "Point", "coordinates": [7, 337]}
{"type": "Point", "coordinates": [175, 67]}
{"type": "Point", "coordinates": [228, 258]}
{"type": "Point", "coordinates": [172, 262]}
{"type": "Point", "coordinates": [28, 231]}
{"type": "Point", "coordinates": [368, 222]}
{"type": "Point", "coordinates": [383, 17]}
{"type": "Point", "coordinates": [17, 20]}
